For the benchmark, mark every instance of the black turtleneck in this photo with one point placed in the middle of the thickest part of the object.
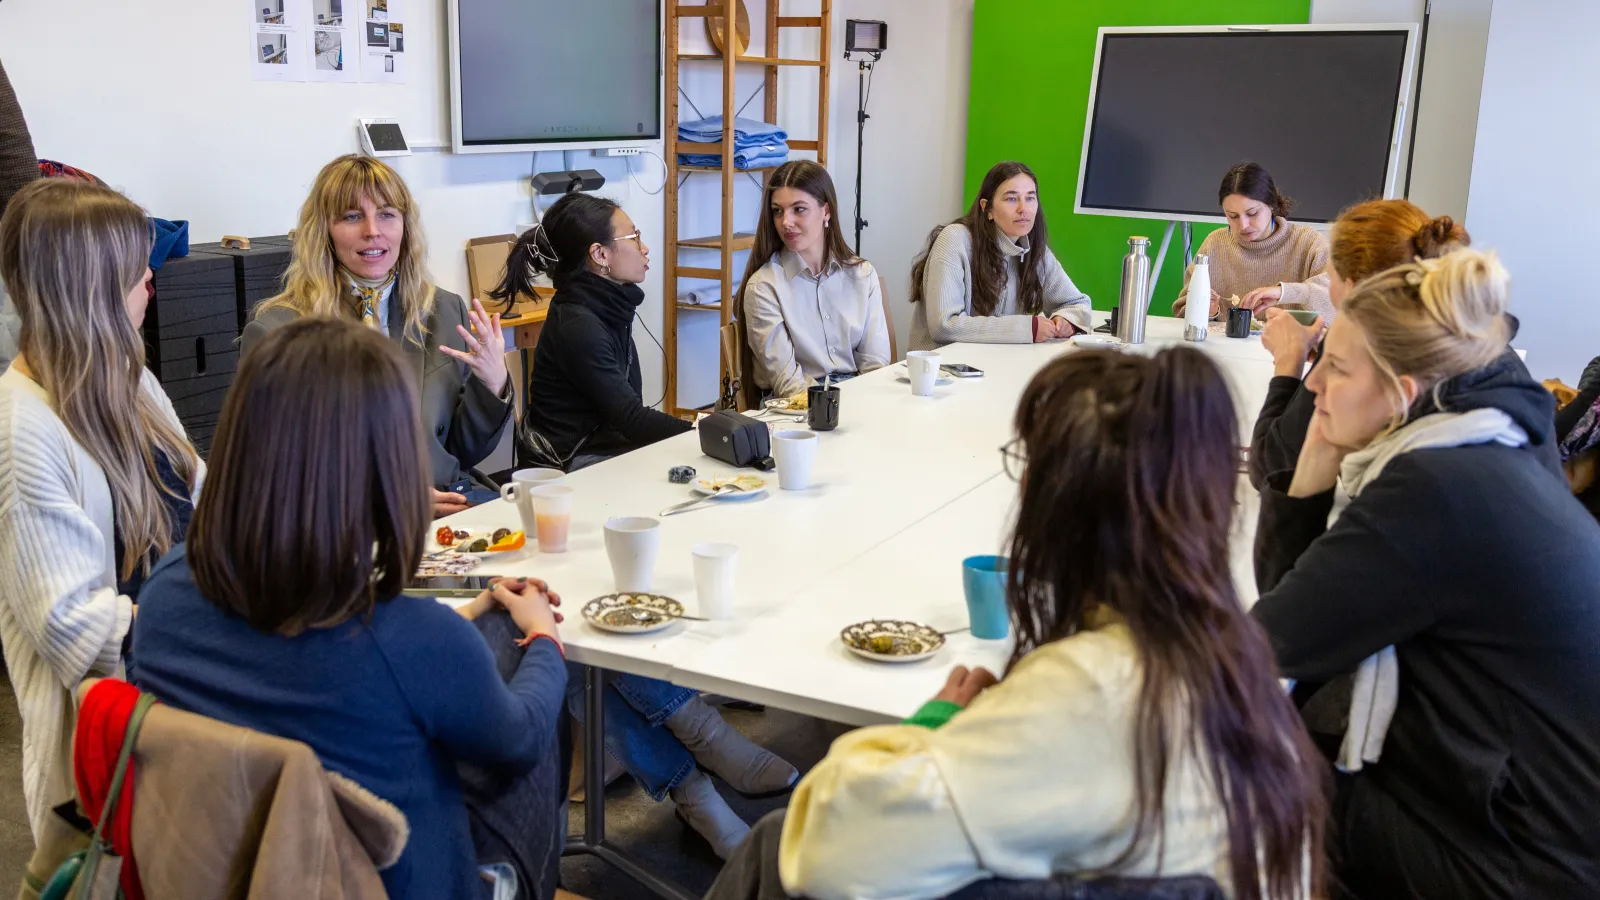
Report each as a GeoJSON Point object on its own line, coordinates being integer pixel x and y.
{"type": "Point", "coordinates": [585, 385]}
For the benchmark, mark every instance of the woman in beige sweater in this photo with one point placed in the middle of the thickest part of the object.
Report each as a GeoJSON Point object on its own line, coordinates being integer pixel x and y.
{"type": "Point", "coordinates": [1261, 257]}
{"type": "Point", "coordinates": [1140, 730]}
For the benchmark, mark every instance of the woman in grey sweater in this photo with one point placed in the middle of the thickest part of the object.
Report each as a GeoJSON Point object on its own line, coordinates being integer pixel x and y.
{"type": "Point", "coordinates": [989, 276]}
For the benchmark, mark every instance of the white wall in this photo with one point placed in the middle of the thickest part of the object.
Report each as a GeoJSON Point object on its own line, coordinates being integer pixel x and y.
{"type": "Point", "coordinates": [1534, 176]}
{"type": "Point", "coordinates": [1458, 32]}
{"type": "Point", "coordinates": [182, 129]}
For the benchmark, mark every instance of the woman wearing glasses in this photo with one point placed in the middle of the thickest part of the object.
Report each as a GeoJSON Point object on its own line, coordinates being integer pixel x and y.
{"type": "Point", "coordinates": [584, 400]}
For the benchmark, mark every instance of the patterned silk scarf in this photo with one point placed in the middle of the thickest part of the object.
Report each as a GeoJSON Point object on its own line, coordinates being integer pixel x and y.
{"type": "Point", "coordinates": [370, 294]}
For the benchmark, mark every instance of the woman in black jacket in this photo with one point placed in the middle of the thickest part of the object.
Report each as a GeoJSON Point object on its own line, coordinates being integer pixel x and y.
{"type": "Point", "coordinates": [1579, 432]}
{"type": "Point", "coordinates": [1367, 239]}
{"type": "Point", "coordinates": [584, 401]}
{"type": "Point", "coordinates": [1461, 583]}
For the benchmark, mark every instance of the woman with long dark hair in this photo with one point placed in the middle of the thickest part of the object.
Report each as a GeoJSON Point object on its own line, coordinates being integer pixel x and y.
{"type": "Point", "coordinates": [990, 276]}
{"type": "Point", "coordinates": [1140, 729]}
{"type": "Point", "coordinates": [811, 307]}
{"type": "Point", "coordinates": [283, 613]}
{"type": "Point", "coordinates": [584, 400]}
{"type": "Point", "coordinates": [1261, 257]}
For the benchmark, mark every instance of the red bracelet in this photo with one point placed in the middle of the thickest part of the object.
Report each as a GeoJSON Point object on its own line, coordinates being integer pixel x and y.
{"type": "Point", "coordinates": [528, 642]}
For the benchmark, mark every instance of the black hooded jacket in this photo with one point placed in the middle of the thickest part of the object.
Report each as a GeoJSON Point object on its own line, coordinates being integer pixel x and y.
{"type": "Point", "coordinates": [584, 392]}
{"type": "Point", "coordinates": [1481, 569]}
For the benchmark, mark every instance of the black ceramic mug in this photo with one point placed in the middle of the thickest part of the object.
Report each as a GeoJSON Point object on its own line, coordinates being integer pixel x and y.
{"type": "Point", "coordinates": [1239, 321]}
{"type": "Point", "coordinates": [822, 407]}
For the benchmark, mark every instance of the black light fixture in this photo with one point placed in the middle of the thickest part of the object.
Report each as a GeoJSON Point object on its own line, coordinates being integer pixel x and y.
{"type": "Point", "coordinates": [864, 43]}
{"type": "Point", "coordinates": [865, 36]}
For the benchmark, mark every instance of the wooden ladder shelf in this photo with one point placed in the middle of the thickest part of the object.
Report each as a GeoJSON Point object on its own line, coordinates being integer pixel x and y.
{"type": "Point", "coordinates": [727, 242]}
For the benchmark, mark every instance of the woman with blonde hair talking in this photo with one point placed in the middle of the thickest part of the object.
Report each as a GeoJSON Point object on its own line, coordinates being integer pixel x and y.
{"type": "Point", "coordinates": [1461, 585]}
{"type": "Point", "coordinates": [97, 479]}
{"type": "Point", "coordinates": [359, 254]}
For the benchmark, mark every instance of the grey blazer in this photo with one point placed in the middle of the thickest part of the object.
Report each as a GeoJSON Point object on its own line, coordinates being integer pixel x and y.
{"type": "Point", "coordinates": [462, 417]}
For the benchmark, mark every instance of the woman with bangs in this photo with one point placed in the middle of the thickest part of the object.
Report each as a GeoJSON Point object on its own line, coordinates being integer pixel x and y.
{"type": "Point", "coordinates": [359, 254]}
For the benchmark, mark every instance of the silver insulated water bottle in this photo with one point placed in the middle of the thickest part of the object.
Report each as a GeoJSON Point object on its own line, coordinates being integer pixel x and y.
{"type": "Point", "coordinates": [1135, 296]}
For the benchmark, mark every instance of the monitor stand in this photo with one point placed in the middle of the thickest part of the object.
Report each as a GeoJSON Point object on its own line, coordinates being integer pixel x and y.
{"type": "Point", "coordinates": [1161, 255]}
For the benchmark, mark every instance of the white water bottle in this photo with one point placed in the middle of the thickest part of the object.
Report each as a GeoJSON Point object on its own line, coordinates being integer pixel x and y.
{"type": "Point", "coordinates": [1197, 314]}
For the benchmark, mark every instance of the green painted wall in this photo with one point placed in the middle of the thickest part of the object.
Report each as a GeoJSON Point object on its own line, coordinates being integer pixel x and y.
{"type": "Point", "coordinates": [1031, 64]}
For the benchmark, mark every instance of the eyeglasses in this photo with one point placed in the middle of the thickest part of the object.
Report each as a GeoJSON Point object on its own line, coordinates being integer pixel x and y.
{"type": "Point", "coordinates": [637, 237]}
{"type": "Point", "coordinates": [1013, 460]}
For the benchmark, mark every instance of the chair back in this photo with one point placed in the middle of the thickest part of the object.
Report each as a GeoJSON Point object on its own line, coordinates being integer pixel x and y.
{"type": "Point", "coordinates": [739, 391]}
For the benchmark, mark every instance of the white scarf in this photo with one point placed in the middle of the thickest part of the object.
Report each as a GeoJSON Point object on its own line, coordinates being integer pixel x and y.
{"type": "Point", "coordinates": [1377, 681]}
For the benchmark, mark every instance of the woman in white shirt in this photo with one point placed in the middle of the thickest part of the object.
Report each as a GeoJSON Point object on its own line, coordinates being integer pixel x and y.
{"type": "Point", "coordinates": [1140, 730]}
{"type": "Point", "coordinates": [812, 308]}
{"type": "Point", "coordinates": [97, 478]}
{"type": "Point", "coordinates": [990, 277]}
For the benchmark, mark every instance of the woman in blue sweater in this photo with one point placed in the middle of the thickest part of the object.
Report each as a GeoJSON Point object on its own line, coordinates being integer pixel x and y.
{"type": "Point", "coordinates": [283, 613]}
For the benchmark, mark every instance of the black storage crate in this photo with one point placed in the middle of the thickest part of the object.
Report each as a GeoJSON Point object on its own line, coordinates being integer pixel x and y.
{"type": "Point", "coordinates": [191, 334]}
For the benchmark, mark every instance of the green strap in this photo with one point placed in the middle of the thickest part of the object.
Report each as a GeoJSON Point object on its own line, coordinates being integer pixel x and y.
{"type": "Point", "coordinates": [98, 846]}
{"type": "Point", "coordinates": [933, 714]}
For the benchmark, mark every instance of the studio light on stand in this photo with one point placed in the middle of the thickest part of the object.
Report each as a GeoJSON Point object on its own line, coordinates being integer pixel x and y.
{"type": "Point", "coordinates": [864, 43]}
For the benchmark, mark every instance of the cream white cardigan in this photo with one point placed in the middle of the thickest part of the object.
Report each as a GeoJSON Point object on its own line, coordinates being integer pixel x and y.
{"type": "Point", "coordinates": [1034, 778]}
{"type": "Point", "coordinates": [61, 618]}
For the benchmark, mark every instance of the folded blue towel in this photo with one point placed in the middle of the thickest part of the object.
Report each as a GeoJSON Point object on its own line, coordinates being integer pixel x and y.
{"type": "Point", "coordinates": [709, 131]}
{"type": "Point", "coordinates": [751, 158]}
{"type": "Point", "coordinates": [170, 239]}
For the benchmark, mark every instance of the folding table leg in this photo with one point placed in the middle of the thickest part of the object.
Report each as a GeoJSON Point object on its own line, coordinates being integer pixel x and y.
{"type": "Point", "coordinates": [593, 842]}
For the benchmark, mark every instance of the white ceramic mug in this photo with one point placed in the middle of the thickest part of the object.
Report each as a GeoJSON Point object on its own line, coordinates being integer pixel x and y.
{"type": "Point", "coordinates": [714, 569]}
{"type": "Point", "coordinates": [922, 366]}
{"type": "Point", "coordinates": [795, 452]}
{"type": "Point", "coordinates": [518, 489]}
{"type": "Point", "coordinates": [632, 544]}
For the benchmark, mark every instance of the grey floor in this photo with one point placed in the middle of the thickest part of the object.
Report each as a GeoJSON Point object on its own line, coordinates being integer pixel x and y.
{"type": "Point", "coordinates": [645, 828]}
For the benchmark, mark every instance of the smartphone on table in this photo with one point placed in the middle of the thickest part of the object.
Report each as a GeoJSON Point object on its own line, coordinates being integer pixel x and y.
{"type": "Point", "coordinates": [962, 370]}
{"type": "Point", "coordinates": [447, 586]}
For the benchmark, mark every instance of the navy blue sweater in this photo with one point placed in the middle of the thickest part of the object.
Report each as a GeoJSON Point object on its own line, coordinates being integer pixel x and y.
{"type": "Point", "coordinates": [391, 702]}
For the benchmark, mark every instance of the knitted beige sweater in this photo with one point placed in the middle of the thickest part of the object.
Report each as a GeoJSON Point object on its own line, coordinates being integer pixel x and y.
{"type": "Point", "coordinates": [1294, 255]}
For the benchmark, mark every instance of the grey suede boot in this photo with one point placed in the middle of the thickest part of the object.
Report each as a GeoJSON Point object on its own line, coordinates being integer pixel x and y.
{"type": "Point", "coordinates": [720, 747]}
{"type": "Point", "coordinates": [703, 809]}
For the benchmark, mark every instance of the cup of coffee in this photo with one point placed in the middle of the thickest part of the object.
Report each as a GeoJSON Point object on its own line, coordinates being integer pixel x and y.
{"type": "Point", "coordinates": [632, 544]}
{"type": "Point", "coordinates": [518, 490]}
{"type": "Point", "coordinates": [795, 452]}
{"type": "Point", "coordinates": [552, 516]}
{"type": "Point", "coordinates": [923, 368]}
{"type": "Point", "coordinates": [822, 410]}
{"type": "Point", "coordinates": [983, 578]}
{"type": "Point", "coordinates": [714, 569]}
{"type": "Point", "coordinates": [1239, 318]}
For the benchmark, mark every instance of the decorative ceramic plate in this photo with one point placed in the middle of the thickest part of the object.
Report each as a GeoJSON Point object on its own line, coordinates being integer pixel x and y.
{"type": "Point", "coordinates": [891, 640]}
{"type": "Point", "coordinates": [749, 486]}
{"type": "Point", "coordinates": [632, 613]}
{"type": "Point", "coordinates": [789, 406]}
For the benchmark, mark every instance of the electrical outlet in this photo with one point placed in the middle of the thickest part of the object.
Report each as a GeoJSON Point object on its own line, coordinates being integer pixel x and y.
{"type": "Point", "coordinates": [618, 151]}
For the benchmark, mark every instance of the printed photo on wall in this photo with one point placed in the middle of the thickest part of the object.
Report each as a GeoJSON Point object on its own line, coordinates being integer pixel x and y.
{"type": "Point", "coordinates": [383, 42]}
{"type": "Point", "coordinates": [278, 36]}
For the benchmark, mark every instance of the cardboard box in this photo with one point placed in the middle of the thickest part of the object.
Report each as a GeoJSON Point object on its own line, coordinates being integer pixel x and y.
{"type": "Point", "coordinates": [486, 266]}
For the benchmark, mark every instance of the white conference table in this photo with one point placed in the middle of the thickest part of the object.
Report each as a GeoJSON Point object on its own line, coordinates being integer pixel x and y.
{"type": "Point", "coordinates": [903, 490]}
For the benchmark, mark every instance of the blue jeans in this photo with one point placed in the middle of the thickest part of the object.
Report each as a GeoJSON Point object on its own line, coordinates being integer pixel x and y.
{"type": "Point", "coordinates": [636, 709]}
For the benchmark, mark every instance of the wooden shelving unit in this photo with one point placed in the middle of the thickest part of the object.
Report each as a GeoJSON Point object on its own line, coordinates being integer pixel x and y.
{"type": "Point", "coordinates": [727, 242]}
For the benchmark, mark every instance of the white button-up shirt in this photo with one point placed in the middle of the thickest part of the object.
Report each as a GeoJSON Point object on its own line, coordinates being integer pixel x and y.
{"type": "Point", "coordinates": [803, 326]}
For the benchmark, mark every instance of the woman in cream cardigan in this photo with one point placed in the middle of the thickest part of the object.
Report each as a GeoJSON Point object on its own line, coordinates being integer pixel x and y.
{"type": "Point", "coordinates": [97, 479]}
{"type": "Point", "coordinates": [1138, 686]}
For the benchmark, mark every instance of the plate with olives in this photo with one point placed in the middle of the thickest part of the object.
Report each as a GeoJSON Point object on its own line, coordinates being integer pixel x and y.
{"type": "Point", "coordinates": [476, 543]}
{"type": "Point", "coordinates": [892, 640]}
